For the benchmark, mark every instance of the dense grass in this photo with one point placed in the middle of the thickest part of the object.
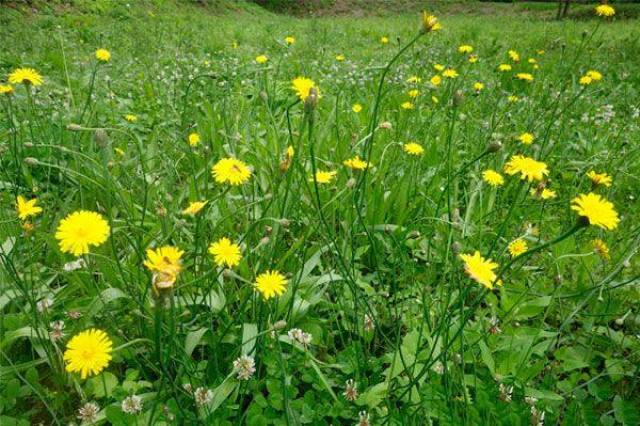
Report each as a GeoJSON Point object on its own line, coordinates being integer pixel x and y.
{"type": "Point", "coordinates": [371, 258]}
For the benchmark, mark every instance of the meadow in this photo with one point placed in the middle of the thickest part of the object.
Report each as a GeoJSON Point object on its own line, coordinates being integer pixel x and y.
{"type": "Point", "coordinates": [230, 216]}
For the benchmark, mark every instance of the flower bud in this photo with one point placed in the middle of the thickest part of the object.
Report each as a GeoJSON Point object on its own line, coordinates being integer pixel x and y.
{"type": "Point", "coordinates": [31, 161]}
{"type": "Point", "coordinates": [494, 146]}
{"type": "Point", "coordinates": [74, 127]}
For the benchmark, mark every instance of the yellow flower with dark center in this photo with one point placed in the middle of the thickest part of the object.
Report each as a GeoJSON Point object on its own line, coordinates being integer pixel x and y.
{"type": "Point", "coordinates": [524, 76]}
{"type": "Point", "coordinates": [356, 163]}
{"type": "Point", "coordinates": [407, 105]}
{"type": "Point", "coordinates": [270, 284]}
{"type": "Point", "coordinates": [131, 118]}
{"type": "Point", "coordinates": [88, 352]}
{"type": "Point", "coordinates": [166, 260]}
{"type": "Point", "coordinates": [595, 75]}
{"type": "Point", "coordinates": [27, 208]}
{"type": "Point", "coordinates": [27, 76]}
{"type": "Point", "coordinates": [599, 178]}
{"type": "Point", "coordinates": [605, 10]}
{"type": "Point", "coordinates": [413, 93]}
{"type": "Point", "coordinates": [323, 177]}
{"type": "Point", "coordinates": [6, 89]}
{"type": "Point", "coordinates": [526, 138]}
{"type": "Point", "coordinates": [413, 148]}
{"type": "Point", "coordinates": [289, 40]}
{"type": "Point", "coordinates": [302, 86]}
{"type": "Point", "coordinates": [465, 48]}
{"type": "Point", "coordinates": [515, 56]}
{"type": "Point", "coordinates": [504, 67]}
{"type": "Point", "coordinates": [528, 168]}
{"type": "Point", "coordinates": [600, 248]}
{"type": "Point", "coordinates": [194, 139]}
{"type": "Point", "coordinates": [517, 247]}
{"type": "Point", "coordinates": [340, 57]}
{"type": "Point", "coordinates": [492, 177]}
{"type": "Point", "coordinates": [80, 230]}
{"type": "Point", "coordinates": [103, 55]}
{"type": "Point", "coordinates": [261, 59]}
{"type": "Point", "coordinates": [231, 170]}
{"type": "Point", "coordinates": [450, 73]}
{"type": "Point", "coordinates": [194, 208]}
{"type": "Point", "coordinates": [436, 80]}
{"type": "Point", "coordinates": [356, 108]}
{"type": "Point", "coordinates": [596, 210]}
{"type": "Point", "coordinates": [414, 79]}
{"type": "Point", "coordinates": [480, 270]}
{"type": "Point", "coordinates": [225, 252]}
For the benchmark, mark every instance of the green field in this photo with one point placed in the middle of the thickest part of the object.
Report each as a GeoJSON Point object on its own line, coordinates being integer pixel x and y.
{"type": "Point", "coordinates": [407, 286]}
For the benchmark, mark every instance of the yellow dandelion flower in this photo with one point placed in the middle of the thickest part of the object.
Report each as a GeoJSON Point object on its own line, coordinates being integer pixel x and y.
{"type": "Point", "coordinates": [340, 57]}
{"type": "Point", "coordinates": [596, 210]}
{"type": "Point", "coordinates": [261, 59]}
{"type": "Point", "coordinates": [165, 260]}
{"type": "Point", "coordinates": [605, 10]}
{"type": "Point", "coordinates": [515, 56]}
{"type": "Point", "coordinates": [548, 194]}
{"type": "Point", "coordinates": [524, 76]}
{"type": "Point", "coordinates": [477, 86]}
{"type": "Point", "coordinates": [290, 151]}
{"type": "Point", "coordinates": [599, 178]}
{"type": "Point", "coordinates": [413, 93]}
{"type": "Point", "coordinates": [600, 248]}
{"type": "Point", "coordinates": [231, 170]}
{"type": "Point", "coordinates": [413, 148]}
{"type": "Point", "coordinates": [528, 168]}
{"type": "Point", "coordinates": [88, 352]}
{"type": "Point", "coordinates": [27, 208]}
{"type": "Point", "coordinates": [131, 118]}
{"type": "Point", "coordinates": [414, 79]}
{"type": "Point", "coordinates": [27, 76]}
{"type": "Point", "coordinates": [289, 40]}
{"type": "Point", "coordinates": [492, 177]}
{"type": "Point", "coordinates": [194, 208]}
{"type": "Point", "coordinates": [356, 163]}
{"type": "Point", "coordinates": [438, 67]}
{"type": "Point", "coordinates": [323, 177]}
{"type": "Point", "coordinates": [595, 75]}
{"type": "Point", "coordinates": [302, 86]}
{"type": "Point", "coordinates": [450, 73]}
{"type": "Point", "coordinates": [270, 284]}
{"type": "Point", "coordinates": [407, 105]}
{"type": "Point", "coordinates": [517, 247]}
{"type": "Point", "coordinates": [585, 80]}
{"type": "Point", "coordinates": [465, 48]}
{"type": "Point", "coordinates": [6, 89]}
{"type": "Point", "coordinates": [473, 59]}
{"type": "Point", "coordinates": [480, 269]}
{"type": "Point", "coordinates": [384, 40]}
{"type": "Point", "coordinates": [430, 22]}
{"type": "Point", "coordinates": [532, 60]}
{"type": "Point", "coordinates": [436, 80]}
{"type": "Point", "coordinates": [504, 67]}
{"type": "Point", "coordinates": [513, 98]}
{"type": "Point", "coordinates": [103, 55]}
{"type": "Point", "coordinates": [194, 139]}
{"type": "Point", "coordinates": [225, 252]}
{"type": "Point", "coordinates": [356, 108]}
{"type": "Point", "coordinates": [526, 138]}
{"type": "Point", "coordinates": [80, 230]}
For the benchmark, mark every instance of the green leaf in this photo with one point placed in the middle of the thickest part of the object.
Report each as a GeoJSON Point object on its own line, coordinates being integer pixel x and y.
{"type": "Point", "coordinates": [222, 392]}
{"type": "Point", "coordinates": [626, 412]}
{"type": "Point", "coordinates": [193, 339]}
{"type": "Point", "coordinates": [249, 334]}
{"type": "Point", "coordinates": [543, 394]}
{"type": "Point", "coordinates": [103, 384]}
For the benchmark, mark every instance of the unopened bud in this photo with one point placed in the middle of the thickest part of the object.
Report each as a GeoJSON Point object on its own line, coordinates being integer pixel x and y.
{"type": "Point", "coordinates": [28, 144]}
{"type": "Point", "coordinates": [74, 127]}
{"type": "Point", "coordinates": [285, 223]}
{"type": "Point", "coordinates": [279, 325]}
{"type": "Point", "coordinates": [31, 161]}
{"type": "Point", "coordinates": [458, 98]}
{"type": "Point", "coordinates": [385, 125]}
{"type": "Point", "coordinates": [351, 183]}
{"type": "Point", "coordinates": [456, 248]}
{"type": "Point", "coordinates": [101, 137]}
{"type": "Point", "coordinates": [494, 146]}
{"type": "Point", "coordinates": [264, 241]}
{"type": "Point", "coordinates": [312, 100]}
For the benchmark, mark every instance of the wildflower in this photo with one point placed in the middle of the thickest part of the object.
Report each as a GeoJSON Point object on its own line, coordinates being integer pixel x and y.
{"type": "Point", "coordinates": [363, 419]}
{"type": "Point", "coordinates": [414, 79]}
{"type": "Point", "coordinates": [194, 139]}
{"type": "Point", "coordinates": [132, 404]}
{"type": "Point", "coordinates": [6, 89]}
{"type": "Point", "coordinates": [81, 229]}
{"type": "Point", "coordinates": [517, 247]}
{"type": "Point", "coordinates": [526, 138]}
{"type": "Point", "coordinates": [234, 44]}
{"type": "Point", "coordinates": [369, 324]}
{"type": "Point", "coordinates": [599, 178]}
{"type": "Point", "coordinates": [356, 163]}
{"type": "Point", "coordinates": [436, 80]}
{"type": "Point", "coordinates": [600, 248]}
{"type": "Point", "coordinates": [103, 55]}
{"type": "Point", "coordinates": [605, 10]}
{"type": "Point", "coordinates": [27, 76]}
{"type": "Point", "coordinates": [244, 366]}
{"type": "Point", "coordinates": [504, 67]}
{"type": "Point", "coordinates": [323, 177]}
{"type": "Point", "coordinates": [407, 105]}
{"type": "Point", "coordinates": [384, 40]}
{"type": "Point", "coordinates": [585, 80]}
{"type": "Point", "coordinates": [225, 252]}
{"type": "Point", "coordinates": [74, 265]}
{"type": "Point", "coordinates": [477, 86]}
{"type": "Point", "coordinates": [532, 60]}
{"type": "Point", "coordinates": [430, 23]}
{"type": "Point", "coordinates": [44, 305]}
{"type": "Point", "coordinates": [350, 390]}
{"type": "Point", "coordinates": [289, 40]}
{"type": "Point", "coordinates": [596, 210]}
{"type": "Point", "coordinates": [270, 283]}
{"type": "Point", "coordinates": [194, 208]}
{"type": "Point", "coordinates": [202, 396]}
{"type": "Point", "coordinates": [595, 75]}
{"type": "Point", "coordinates": [543, 193]}
{"type": "Point", "coordinates": [88, 352]}
{"type": "Point", "coordinates": [465, 48]}
{"type": "Point", "coordinates": [413, 93]}
{"type": "Point", "coordinates": [524, 76]}
{"type": "Point", "coordinates": [57, 328]}
{"type": "Point", "coordinates": [473, 59]}
{"type": "Point", "coordinates": [492, 177]}
{"type": "Point", "coordinates": [513, 98]}
{"type": "Point", "coordinates": [131, 118]}
{"type": "Point", "coordinates": [450, 73]}
{"type": "Point", "coordinates": [231, 170]}
{"type": "Point", "coordinates": [515, 56]}
{"type": "Point", "coordinates": [413, 148]}
{"type": "Point", "coordinates": [356, 108]}
{"type": "Point", "coordinates": [480, 270]}
{"type": "Point", "coordinates": [88, 413]}
{"type": "Point", "coordinates": [165, 260]}
{"type": "Point", "coordinates": [302, 86]}
{"type": "Point", "coordinates": [340, 57]}
{"type": "Point", "coordinates": [537, 417]}
{"type": "Point", "coordinates": [27, 208]}
{"type": "Point", "coordinates": [300, 336]}
{"type": "Point", "coordinates": [261, 59]}
{"type": "Point", "coordinates": [506, 393]}
{"type": "Point", "coordinates": [495, 326]}
{"type": "Point", "coordinates": [528, 168]}
{"type": "Point", "coordinates": [438, 67]}
{"type": "Point", "coordinates": [290, 151]}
